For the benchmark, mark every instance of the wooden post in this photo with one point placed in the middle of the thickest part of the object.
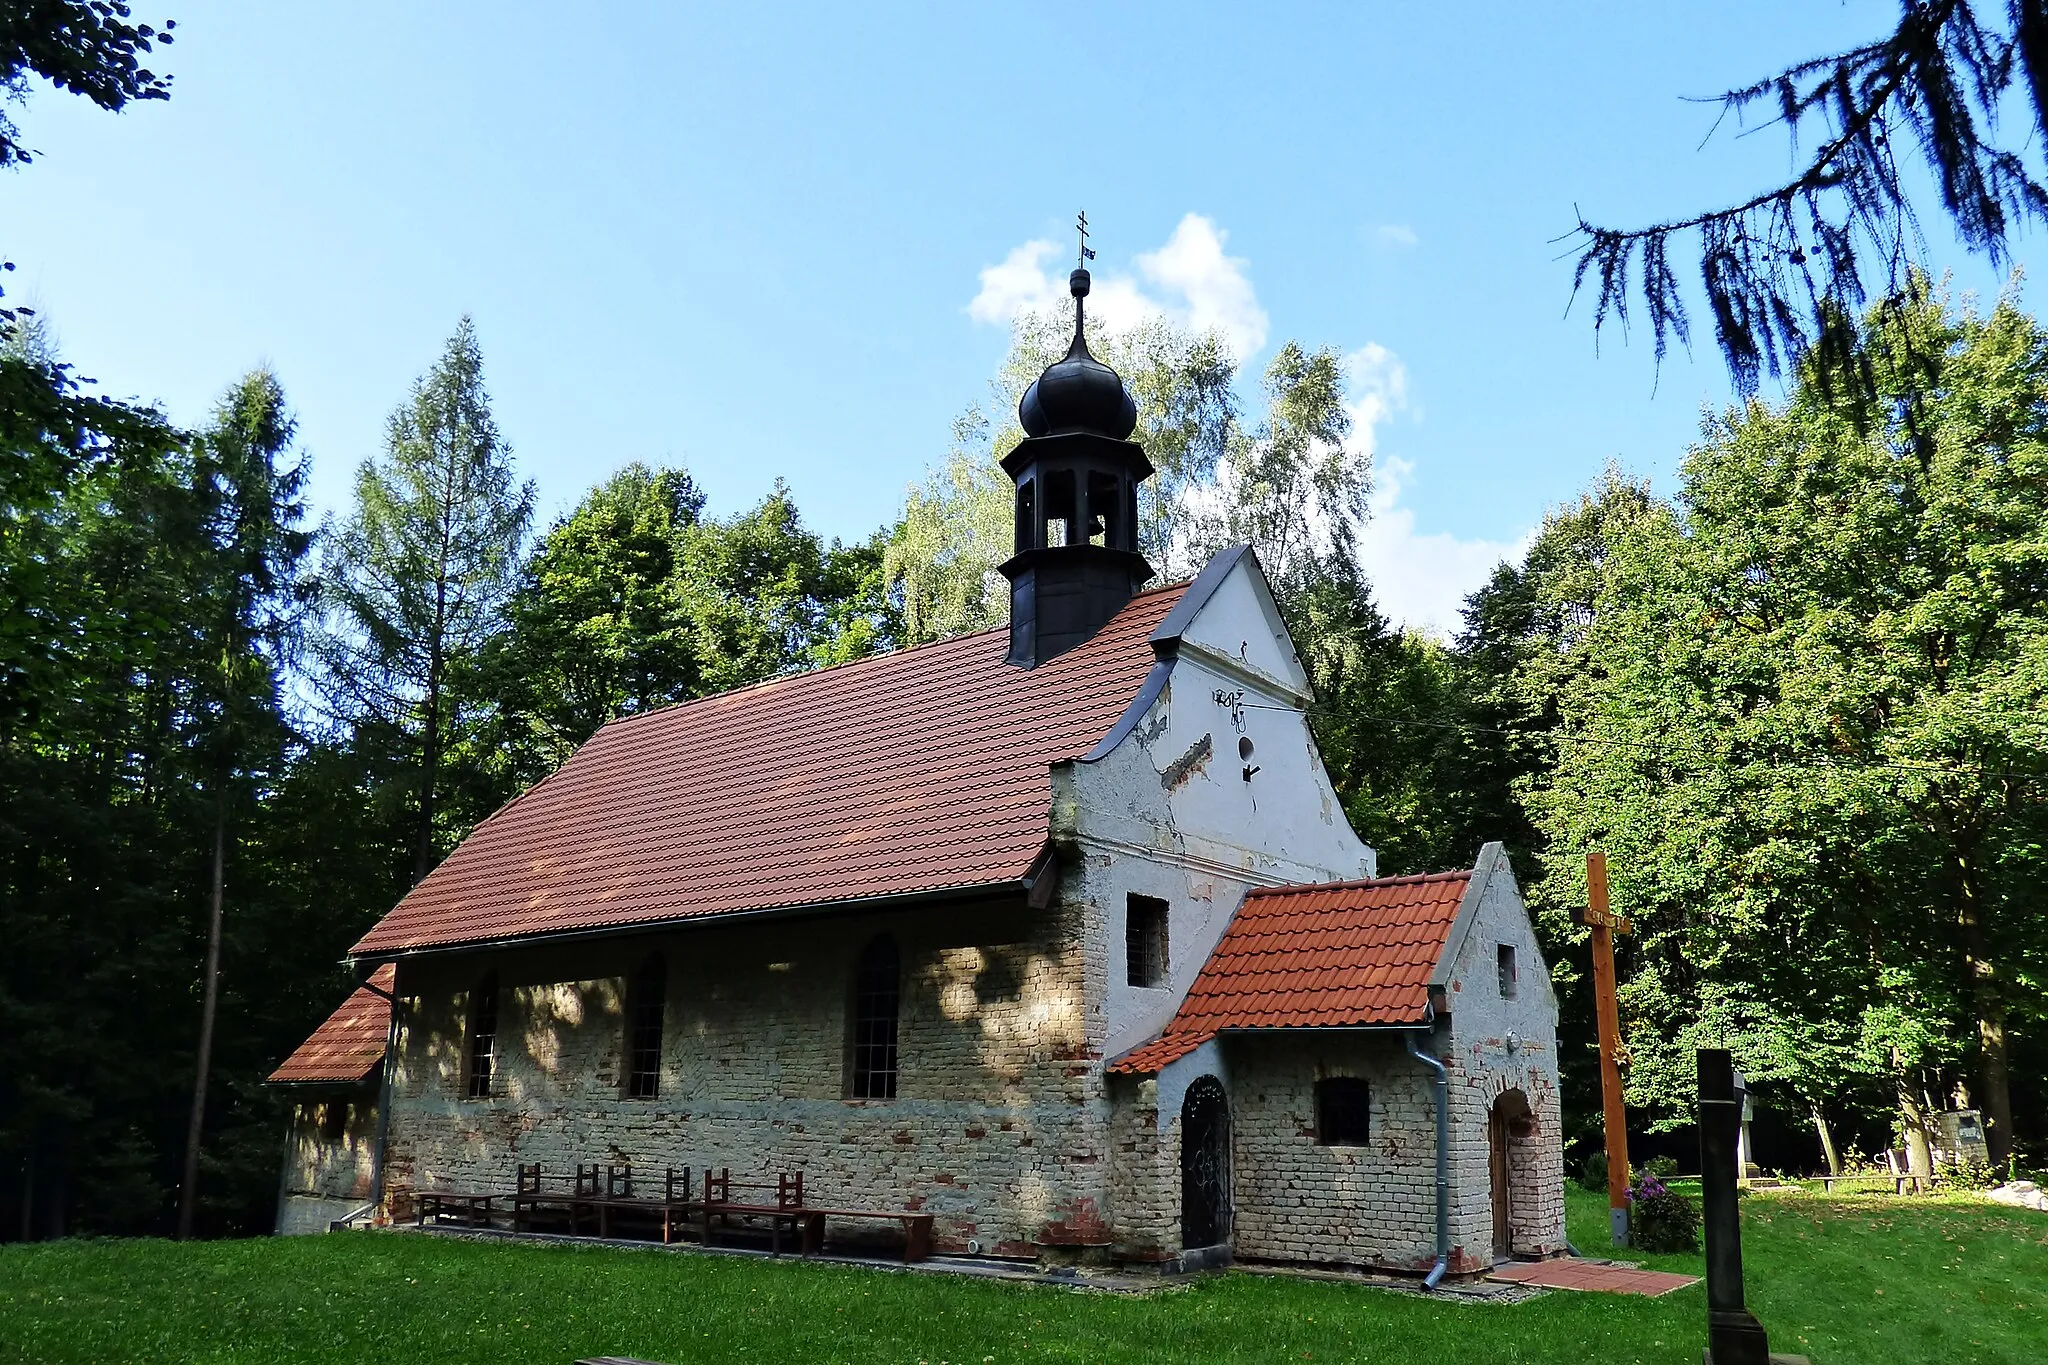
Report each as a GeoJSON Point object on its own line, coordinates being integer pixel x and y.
{"type": "Point", "coordinates": [1615, 1115]}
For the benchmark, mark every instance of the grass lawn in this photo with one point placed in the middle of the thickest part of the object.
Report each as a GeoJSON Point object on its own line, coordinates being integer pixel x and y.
{"type": "Point", "coordinates": [1854, 1279]}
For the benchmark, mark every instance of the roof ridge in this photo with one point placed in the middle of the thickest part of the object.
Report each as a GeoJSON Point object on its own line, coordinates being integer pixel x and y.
{"type": "Point", "coordinates": [865, 659]}
{"type": "Point", "coordinates": [1362, 883]}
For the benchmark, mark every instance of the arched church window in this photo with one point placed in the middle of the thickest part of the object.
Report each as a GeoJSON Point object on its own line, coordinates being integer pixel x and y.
{"type": "Point", "coordinates": [646, 1010]}
{"type": "Point", "coordinates": [877, 995]}
{"type": "Point", "coordinates": [480, 1056]}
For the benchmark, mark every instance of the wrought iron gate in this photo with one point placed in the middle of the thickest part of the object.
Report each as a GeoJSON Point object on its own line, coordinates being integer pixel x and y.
{"type": "Point", "coordinates": [1205, 1165]}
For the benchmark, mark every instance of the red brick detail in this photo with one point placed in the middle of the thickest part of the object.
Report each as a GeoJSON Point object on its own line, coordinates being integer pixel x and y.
{"type": "Point", "coordinates": [1080, 1224]}
{"type": "Point", "coordinates": [1596, 1277]}
{"type": "Point", "coordinates": [1332, 955]}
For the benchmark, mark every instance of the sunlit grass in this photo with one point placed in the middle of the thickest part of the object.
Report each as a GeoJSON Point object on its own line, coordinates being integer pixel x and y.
{"type": "Point", "coordinates": [1845, 1280]}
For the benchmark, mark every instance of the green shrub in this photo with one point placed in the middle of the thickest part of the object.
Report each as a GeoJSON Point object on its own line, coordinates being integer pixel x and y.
{"type": "Point", "coordinates": [1966, 1175]}
{"type": "Point", "coordinates": [1593, 1173]}
{"type": "Point", "coordinates": [1660, 1218]}
{"type": "Point", "coordinates": [1662, 1167]}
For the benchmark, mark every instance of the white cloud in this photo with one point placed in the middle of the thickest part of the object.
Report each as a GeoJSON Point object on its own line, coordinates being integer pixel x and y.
{"type": "Point", "coordinates": [1018, 285]}
{"type": "Point", "coordinates": [1420, 579]}
{"type": "Point", "coordinates": [1395, 234]}
{"type": "Point", "coordinates": [1376, 383]}
{"type": "Point", "coordinates": [1190, 280]}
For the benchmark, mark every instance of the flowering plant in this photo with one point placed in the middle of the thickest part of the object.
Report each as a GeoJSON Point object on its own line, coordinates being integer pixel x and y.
{"type": "Point", "coordinates": [1660, 1218]}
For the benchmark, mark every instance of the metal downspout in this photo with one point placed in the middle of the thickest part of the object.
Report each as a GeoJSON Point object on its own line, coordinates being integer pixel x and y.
{"type": "Point", "coordinates": [384, 1095]}
{"type": "Point", "coordinates": [1443, 1158]}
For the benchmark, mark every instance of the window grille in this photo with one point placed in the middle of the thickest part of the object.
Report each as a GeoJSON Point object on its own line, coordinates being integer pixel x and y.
{"type": "Point", "coordinates": [481, 1060]}
{"type": "Point", "coordinates": [1504, 961]}
{"type": "Point", "coordinates": [877, 996]}
{"type": "Point", "coordinates": [646, 1007]}
{"type": "Point", "coordinates": [1145, 941]}
{"type": "Point", "coordinates": [1343, 1112]}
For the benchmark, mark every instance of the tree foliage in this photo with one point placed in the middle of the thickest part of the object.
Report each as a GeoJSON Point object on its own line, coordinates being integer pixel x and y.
{"type": "Point", "coordinates": [415, 579]}
{"type": "Point", "coordinates": [1787, 270]}
{"type": "Point", "coordinates": [88, 47]}
{"type": "Point", "coordinates": [1810, 728]}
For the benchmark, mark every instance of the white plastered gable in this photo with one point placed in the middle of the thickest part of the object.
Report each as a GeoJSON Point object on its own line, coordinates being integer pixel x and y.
{"type": "Point", "coordinates": [1210, 785]}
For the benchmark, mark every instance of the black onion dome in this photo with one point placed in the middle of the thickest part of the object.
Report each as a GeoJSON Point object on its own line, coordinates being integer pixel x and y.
{"type": "Point", "coordinates": [1078, 392]}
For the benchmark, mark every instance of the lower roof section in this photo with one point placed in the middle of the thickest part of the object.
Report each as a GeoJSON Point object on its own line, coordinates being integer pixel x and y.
{"type": "Point", "coordinates": [347, 1048]}
{"type": "Point", "coordinates": [1335, 955]}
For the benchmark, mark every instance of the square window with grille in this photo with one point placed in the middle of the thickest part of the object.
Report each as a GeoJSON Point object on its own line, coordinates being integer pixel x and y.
{"type": "Point", "coordinates": [1343, 1112]}
{"type": "Point", "coordinates": [480, 1058]}
{"type": "Point", "coordinates": [1504, 962]}
{"type": "Point", "coordinates": [877, 996]}
{"type": "Point", "coordinates": [1145, 941]}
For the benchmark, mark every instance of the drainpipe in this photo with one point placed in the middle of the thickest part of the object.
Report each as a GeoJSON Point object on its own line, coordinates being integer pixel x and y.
{"type": "Point", "coordinates": [383, 1096]}
{"type": "Point", "coordinates": [1443, 1157]}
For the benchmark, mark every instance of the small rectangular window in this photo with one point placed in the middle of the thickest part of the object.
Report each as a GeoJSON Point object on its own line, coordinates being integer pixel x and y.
{"type": "Point", "coordinates": [1504, 960]}
{"type": "Point", "coordinates": [646, 1002]}
{"type": "Point", "coordinates": [877, 1000]}
{"type": "Point", "coordinates": [481, 1059]}
{"type": "Point", "coordinates": [1145, 941]}
{"type": "Point", "coordinates": [1343, 1112]}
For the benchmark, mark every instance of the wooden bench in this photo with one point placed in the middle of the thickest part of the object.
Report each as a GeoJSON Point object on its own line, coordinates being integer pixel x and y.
{"type": "Point", "coordinates": [917, 1229]}
{"type": "Point", "coordinates": [726, 1198]}
{"type": "Point", "coordinates": [597, 1193]}
{"type": "Point", "coordinates": [463, 1207]}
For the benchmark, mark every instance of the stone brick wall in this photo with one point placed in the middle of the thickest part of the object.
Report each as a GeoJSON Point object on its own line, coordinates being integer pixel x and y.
{"type": "Point", "coordinates": [325, 1177]}
{"type": "Point", "coordinates": [999, 1126]}
{"type": "Point", "coordinates": [1505, 1047]}
{"type": "Point", "coordinates": [1373, 1205]}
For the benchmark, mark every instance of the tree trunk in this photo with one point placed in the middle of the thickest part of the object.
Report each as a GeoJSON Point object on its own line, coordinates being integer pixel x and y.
{"type": "Point", "coordinates": [1988, 999]}
{"type": "Point", "coordinates": [430, 763]}
{"type": "Point", "coordinates": [1827, 1138]}
{"type": "Point", "coordinates": [28, 1194]}
{"type": "Point", "coordinates": [1913, 1122]}
{"type": "Point", "coordinates": [188, 1192]}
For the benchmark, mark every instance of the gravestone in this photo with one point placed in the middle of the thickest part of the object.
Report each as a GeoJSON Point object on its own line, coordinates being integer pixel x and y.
{"type": "Point", "coordinates": [1962, 1138]}
{"type": "Point", "coordinates": [1734, 1336]}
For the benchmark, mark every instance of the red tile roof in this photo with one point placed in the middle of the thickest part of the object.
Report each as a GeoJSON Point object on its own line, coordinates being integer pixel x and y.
{"type": "Point", "coordinates": [1342, 953]}
{"type": "Point", "coordinates": [923, 770]}
{"type": "Point", "coordinates": [349, 1045]}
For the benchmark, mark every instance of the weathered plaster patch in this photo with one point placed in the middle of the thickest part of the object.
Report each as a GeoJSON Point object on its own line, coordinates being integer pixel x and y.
{"type": "Point", "coordinates": [1188, 764]}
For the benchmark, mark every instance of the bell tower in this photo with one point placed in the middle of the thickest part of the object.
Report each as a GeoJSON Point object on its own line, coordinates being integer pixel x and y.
{"type": "Point", "coordinates": [1077, 474]}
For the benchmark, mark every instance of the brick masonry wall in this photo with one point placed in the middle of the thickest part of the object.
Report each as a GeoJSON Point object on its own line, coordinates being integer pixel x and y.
{"type": "Point", "coordinates": [1296, 1200]}
{"type": "Point", "coordinates": [1504, 1051]}
{"type": "Point", "coordinates": [325, 1178]}
{"type": "Point", "coordinates": [999, 1126]}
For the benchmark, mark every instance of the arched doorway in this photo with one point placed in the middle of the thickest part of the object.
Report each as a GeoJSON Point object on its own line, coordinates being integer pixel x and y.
{"type": "Point", "coordinates": [1510, 1130]}
{"type": "Point", "coordinates": [1204, 1165]}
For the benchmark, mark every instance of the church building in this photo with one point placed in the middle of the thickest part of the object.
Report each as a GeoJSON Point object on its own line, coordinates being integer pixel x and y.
{"type": "Point", "coordinates": [1056, 932]}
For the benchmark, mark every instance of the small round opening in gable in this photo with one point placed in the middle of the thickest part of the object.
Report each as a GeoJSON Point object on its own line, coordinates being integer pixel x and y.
{"type": "Point", "coordinates": [1244, 747]}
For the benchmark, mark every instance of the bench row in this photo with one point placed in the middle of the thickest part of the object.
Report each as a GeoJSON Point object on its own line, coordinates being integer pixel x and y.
{"type": "Point", "coordinates": [598, 1197]}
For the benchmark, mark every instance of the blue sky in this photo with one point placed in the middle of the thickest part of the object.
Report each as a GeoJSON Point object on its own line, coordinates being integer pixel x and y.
{"type": "Point", "coordinates": [779, 240]}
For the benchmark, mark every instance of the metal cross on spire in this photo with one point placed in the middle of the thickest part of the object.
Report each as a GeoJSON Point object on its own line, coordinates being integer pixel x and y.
{"type": "Point", "coordinates": [1087, 252]}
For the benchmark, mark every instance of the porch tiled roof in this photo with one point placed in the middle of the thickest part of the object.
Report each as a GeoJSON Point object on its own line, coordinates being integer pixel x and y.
{"type": "Point", "coordinates": [346, 1048]}
{"type": "Point", "coordinates": [920, 771]}
{"type": "Point", "coordinates": [1330, 955]}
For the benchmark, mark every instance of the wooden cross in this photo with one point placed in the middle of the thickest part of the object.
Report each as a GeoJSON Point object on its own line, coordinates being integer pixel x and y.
{"type": "Point", "coordinates": [1605, 924]}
